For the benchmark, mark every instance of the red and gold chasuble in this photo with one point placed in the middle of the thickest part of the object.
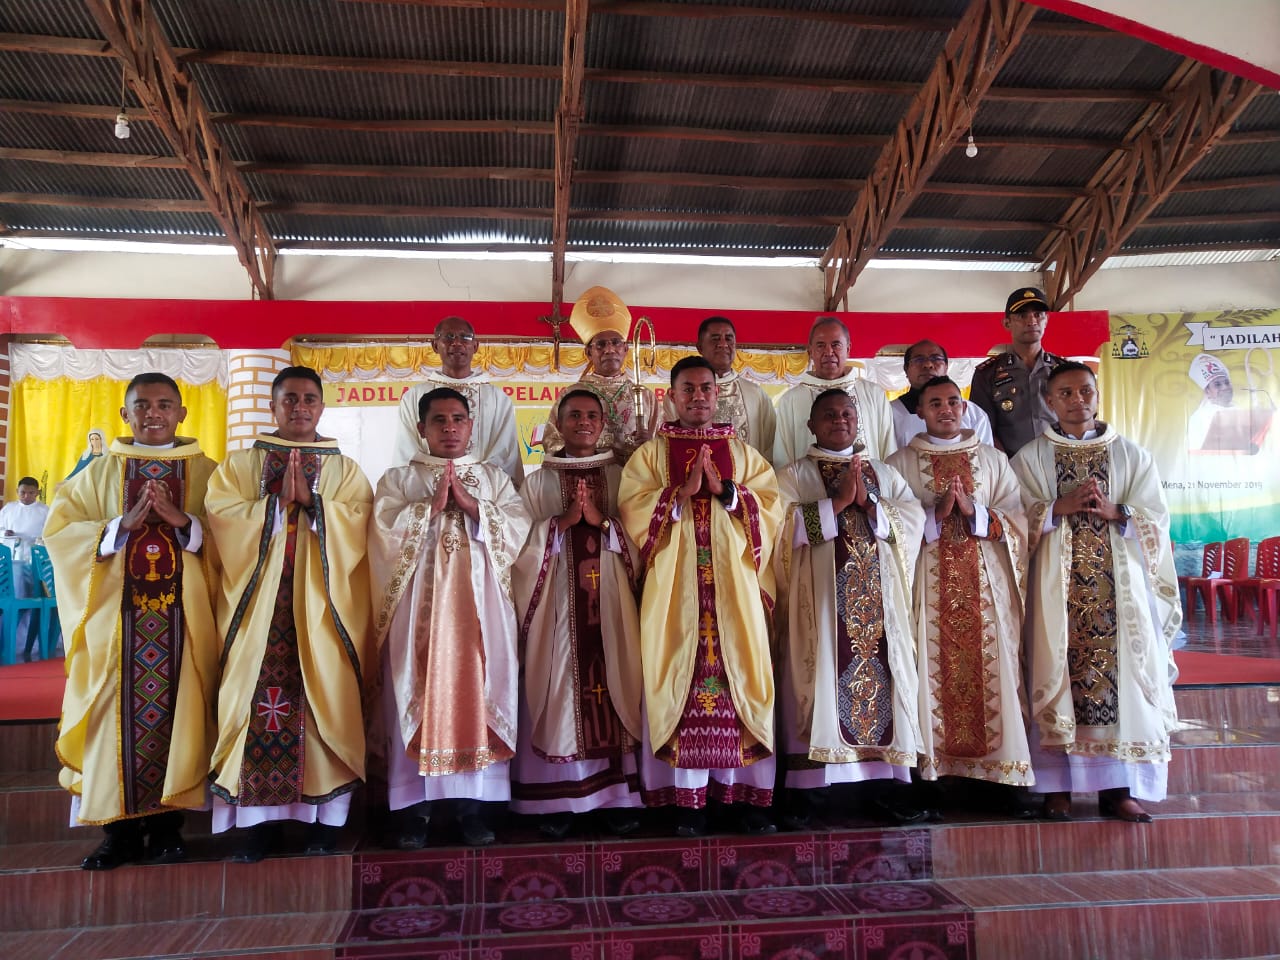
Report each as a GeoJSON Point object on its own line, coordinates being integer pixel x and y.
{"type": "Point", "coordinates": [968, 683]}
{"type": "Point", "coordinates": [710, 735]}
{"type": "Point", "coordinates": [151, 636]}
{"type": "Point", "coordinates": [275, 749]}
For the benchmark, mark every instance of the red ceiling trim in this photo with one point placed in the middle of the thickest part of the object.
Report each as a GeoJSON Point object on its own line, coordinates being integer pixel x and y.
{"type": "Point", "coordinates": [1170, 41]}
{"type": "Point", "coordinates": [122, 324]}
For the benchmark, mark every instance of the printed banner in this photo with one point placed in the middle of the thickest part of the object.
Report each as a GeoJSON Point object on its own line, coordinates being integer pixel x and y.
{"type": "Point", "coordinates": [1198, 390]}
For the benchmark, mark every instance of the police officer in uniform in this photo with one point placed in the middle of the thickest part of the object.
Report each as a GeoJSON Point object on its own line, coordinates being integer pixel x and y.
{"type": "Point", "coordinates": [1010, 387]}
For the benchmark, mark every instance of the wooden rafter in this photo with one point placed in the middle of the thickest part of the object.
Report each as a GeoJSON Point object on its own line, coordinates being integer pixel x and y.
{"type": "Point", "coordinates": [975, 51]}
{"type": "Point", "coordinates": [1162, 148]}
{"type": "Point", "coordinates": [173, 102]}
{"type": "Point", "coordinates": [67, 46]}
{"type": "Point", "coordinates": [568, 120]}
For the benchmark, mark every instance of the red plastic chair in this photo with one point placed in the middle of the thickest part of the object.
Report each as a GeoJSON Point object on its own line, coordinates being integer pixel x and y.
{"type": "Point", "coordinates": [1211, 562]}
{"type": "Point", "coordinates": [1266, 569]}
{"type": "Point", "coordinates": [1235, 566]}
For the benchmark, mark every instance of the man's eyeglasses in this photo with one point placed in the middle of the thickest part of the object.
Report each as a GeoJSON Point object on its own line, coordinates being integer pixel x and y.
{"type": "Point", "coordinates": [615, 344]}
{"type": "Point", "coordinates": [932, 358]}
{"type": "Point", "coordinates": [455, 337]}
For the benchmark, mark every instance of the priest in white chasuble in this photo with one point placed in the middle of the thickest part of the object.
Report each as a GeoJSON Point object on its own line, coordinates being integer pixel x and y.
{"type": "Point", "coordinates": [445, 533]}
{"type": "Point", "coordinates": [575, 599]}
{"type": "Point", "coordinates": [968, 597]}
{"type": "Point", "coordinates": [603, 323]}
{"type": "Point", "coordinates": [136, 574]}
{"type": "Point", "coordinates": [829, 368]}
{"type": "Point", "coordinates": [703, 508]}
{"type": "Point", "coordinates": [848, 552]}
{"type": "Point", "coordinates": [289, 516]}
{"type": "Point", "coordinates": [739, 401]}
{"type": "Point", "coordinates": [1102, 609]}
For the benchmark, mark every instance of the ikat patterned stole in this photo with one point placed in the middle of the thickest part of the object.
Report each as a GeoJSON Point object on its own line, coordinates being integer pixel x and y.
{"type": "Point", "coordinates": [963, 666]}
{"type": "Point", "coordinates": [1091, 592]}
{"type": "Point", "coordinates": [151, 636]}
{"type": "Point", "coordinates": [599, 731]}
{"type": "Point", "coordinates": [710, 735]}
{"type": "Point", "coordinates": [275, 755]}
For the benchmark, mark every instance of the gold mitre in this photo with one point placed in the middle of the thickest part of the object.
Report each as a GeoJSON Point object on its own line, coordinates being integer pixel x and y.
{"type": "Point", "coordinates": [598, 310]}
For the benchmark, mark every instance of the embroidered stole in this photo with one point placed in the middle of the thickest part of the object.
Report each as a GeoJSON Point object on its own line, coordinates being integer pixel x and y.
{"type": "Point", "coordinates": [151, 637]}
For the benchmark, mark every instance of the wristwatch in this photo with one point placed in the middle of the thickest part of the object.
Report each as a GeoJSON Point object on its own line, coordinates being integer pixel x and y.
{"type": "Point", "coordinates": [873, 499]}
{"type": "Point", "coordinates": [726, 495]}
{"type": "Point", "coordinates": [605, 526]}
{"type": "Point", "coordinates": [1126, 512]}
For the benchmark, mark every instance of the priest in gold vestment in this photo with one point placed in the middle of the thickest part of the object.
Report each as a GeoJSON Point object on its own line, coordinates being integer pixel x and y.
{"type": "Point", "coordinates": [580, 631]}
{"type": "Point", "coordinates": [1102, 609]}
{"type": "Point", "coordinates": [703, 508]}
{"type": "Point", "coordinates": [603, 323]}
{"type": "Point", "coordinates": [445, 532]}
{"type": "Point", "coordinates": [848, 554]}
{"type": "Point", "coordinates": [135, 574]}
{"type": "Point", "coordinates": [968, 600]}
{"type": "Point", "coordinates": [289, 517]}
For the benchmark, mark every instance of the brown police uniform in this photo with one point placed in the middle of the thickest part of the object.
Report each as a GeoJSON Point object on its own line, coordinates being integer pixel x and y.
{"type": "Point", "coordinates": [1013, 397]}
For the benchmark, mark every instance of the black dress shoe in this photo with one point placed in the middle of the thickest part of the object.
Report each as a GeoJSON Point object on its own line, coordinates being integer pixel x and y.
{"type": "Point", "coordinates": [896, 812]}
{"type": "Point", "coordinates": [116, 850]}
{"type": "Point", "coordinates": [555, 826]}
{"type": "Point", "coordinates": [256, 843]}
{"type": "Point", "coordinates": [410, 832]}
{"type": "Point", "coordinates": [1119, 805]}
{"type": "Point", "coordinates": [620, 821]}
{"type": "Point", "coordinates": [475, 832]}
{"type": "Point", "coordinates": [166, 848]}
{"type": "Point", "coordinates": [691, 823]}
{"type": "Point", "coordinates": [755, 823]}
{"type": "Point", "coordinates": [322, 839]}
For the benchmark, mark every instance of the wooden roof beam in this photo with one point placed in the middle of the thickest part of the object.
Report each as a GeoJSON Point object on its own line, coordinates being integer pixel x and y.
{"type": "Point", "coordinates": [568, 120]}
{"type": "Point", "coordinates": [171, 98]}
{"type": "Point", "coordinates": [975, 51]}
{"type": "Point", "coordinates": [1162, 148]}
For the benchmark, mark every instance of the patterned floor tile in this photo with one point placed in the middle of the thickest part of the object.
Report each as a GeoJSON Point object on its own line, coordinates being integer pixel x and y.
{"type": "Point", "coordinates": [776, 905]}
{"type": "Point", "coordinates": [406, 923]}
{"type": "Point", "coordinates": [780, 861]}
{"type": "Point", "coordinates": [882, 938]}
{"type": "Point", "coordinates": [428, 878]}
{"type": "Point", "coordinates": [533, 916]}
{"type": "Point", "coordinates": [669, 866]}
{"type": "Point", "coordinates": [649, 911]}
{"type": "Point", "coordinates": [690, 943]}
{"type": "Point", "coordinates": [572, 946]}
{"type": "Point", "coordinates": [535, 873]}
{"type": "Point", "coordinates": [918, 897]}
{"type": "Point", "coordinates": [872, 855]}
{"type": "Point", "coordinates": [803, 940]}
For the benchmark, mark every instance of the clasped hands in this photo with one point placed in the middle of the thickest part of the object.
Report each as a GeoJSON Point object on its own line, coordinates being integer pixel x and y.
{"type": "Point", "coordinates": [852, 489]}
{"type": "Point", "coordinates": [154, 505]}
{"type": "Point", "coordinates": [954, 497]}
{"type": "Point", "coordinates": [1087, 498]}
{"type": "Point", "coordinates": [582, 508]}
{"type": "Point", "coordinates": [703, 470]}
{"type": "Point", "coordinates": [451, 487]}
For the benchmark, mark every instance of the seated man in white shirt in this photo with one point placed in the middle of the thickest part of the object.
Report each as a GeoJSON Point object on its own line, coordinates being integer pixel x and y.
{"type": "Point", "coordinates": [21, 525]}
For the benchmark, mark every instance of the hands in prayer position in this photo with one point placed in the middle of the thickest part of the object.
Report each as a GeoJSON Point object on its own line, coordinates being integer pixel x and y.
{"type": "Point", "coordinates": [451, 485]}
{"type": "Point", "coordinates": [582, 508]}
{"type": "Point", "coordinates": [703, 470]}
{"type": "Point", "coordinates": [155, 505]}
{"type": "Point", "coordinates": [954, 498]}
{"type": "Point", "coordinates": [293, 488]}
{"type": "Point", "coordinates": [853, 489]}
{"type": "Point", "coordinates": [1087, 498]}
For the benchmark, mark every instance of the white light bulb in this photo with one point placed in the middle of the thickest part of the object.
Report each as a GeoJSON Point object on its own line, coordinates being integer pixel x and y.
{"type": "Point", "coordinates": [971, 150]}
{"type": "Point", "coordinates": [122, 126]}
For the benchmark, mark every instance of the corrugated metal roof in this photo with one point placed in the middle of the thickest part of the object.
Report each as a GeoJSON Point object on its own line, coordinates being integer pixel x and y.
{"type": "Point", "coordinates": [72, 220]}
{"type": "Point", "coordinates": [779, 48]}
{"type": "Point", "coordinates": [1197, 258]}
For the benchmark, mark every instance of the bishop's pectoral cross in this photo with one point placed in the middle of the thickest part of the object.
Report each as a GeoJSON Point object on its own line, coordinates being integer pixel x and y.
{"type": "Point", "coordinates": [708, 633]}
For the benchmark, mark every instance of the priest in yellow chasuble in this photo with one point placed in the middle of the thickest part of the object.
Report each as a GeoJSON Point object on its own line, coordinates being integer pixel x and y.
{"type": "Point", "coordinates": [445, 532]}
{"type": "Point", "coordinates": [1102, 609]}
{"type": "Point", "coordinates": [848, 553]}
{"type": "Point", "coordinates": [289, 517]}
{"type": "Point", "coordinates": [580, 630]}
{"type": "Point", "coordinates": [603, 323]}
{"type": "Point", "coordinates": [135, 576]}
{"type": "Point", "coordinates": [703, 508]}
{"type": "Point", "coordinates": [968, 598]}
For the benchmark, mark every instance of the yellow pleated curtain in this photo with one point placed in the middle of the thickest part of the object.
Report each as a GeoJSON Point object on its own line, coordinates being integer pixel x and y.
{"type": "Point", "coordinates": [49, 423]}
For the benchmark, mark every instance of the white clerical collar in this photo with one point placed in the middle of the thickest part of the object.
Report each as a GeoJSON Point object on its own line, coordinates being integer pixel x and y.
{"type": "Point", "coordinates": [846, 452]}
{"type": "Point", "coordinates": [156, 446]}
{"type": "Point", "coordinates": [939, 441]}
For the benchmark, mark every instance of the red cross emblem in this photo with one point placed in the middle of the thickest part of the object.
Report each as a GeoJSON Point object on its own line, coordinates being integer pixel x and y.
{"type": "Point", "coordinates": [274, 708]}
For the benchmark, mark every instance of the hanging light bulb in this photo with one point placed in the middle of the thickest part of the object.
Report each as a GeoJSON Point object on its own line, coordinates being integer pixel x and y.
{"type": "Point", "coordinates": [122, 118]}
{"type": "Point", "coordinates": [970, 151]}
